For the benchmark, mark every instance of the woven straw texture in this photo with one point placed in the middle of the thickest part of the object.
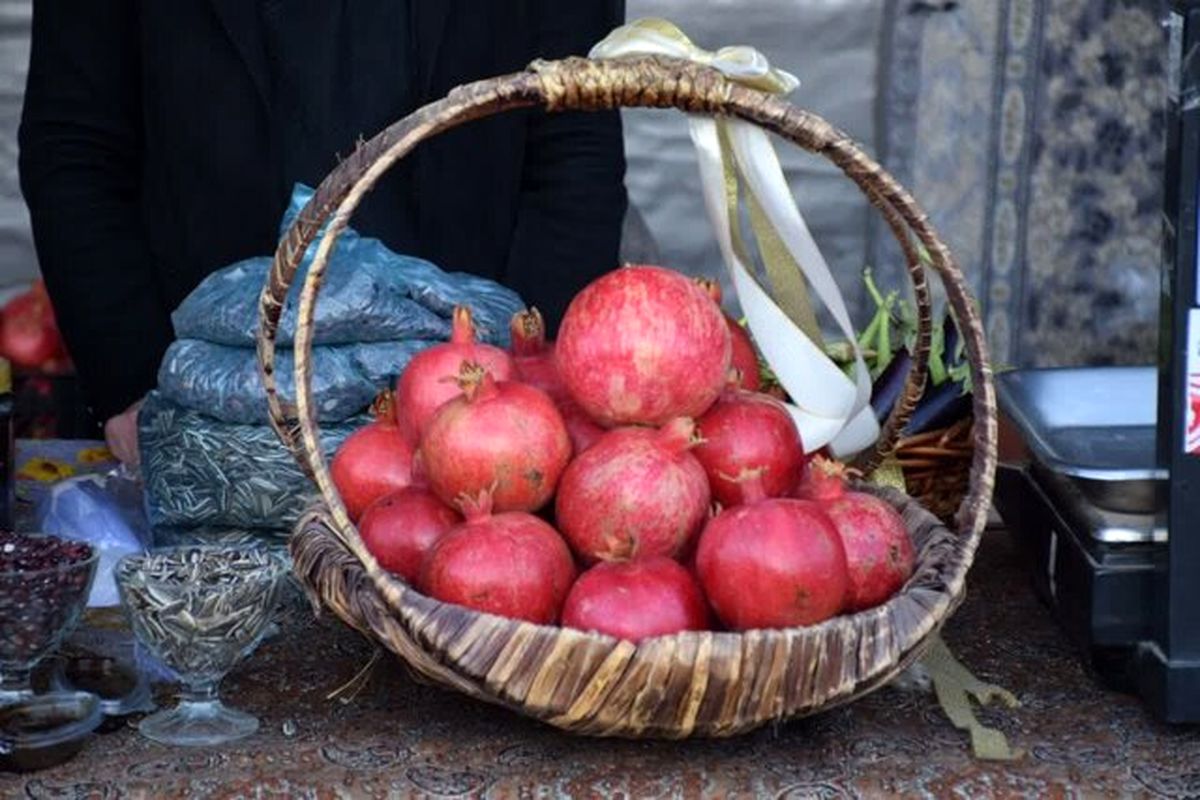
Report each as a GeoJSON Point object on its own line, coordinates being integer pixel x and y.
{"type": "Point", "coordinates": [711, 684]}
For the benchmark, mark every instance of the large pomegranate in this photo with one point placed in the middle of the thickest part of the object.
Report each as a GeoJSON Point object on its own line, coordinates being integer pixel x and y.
{"type": "Point", "coordinates": [503, 436]}
{"type": "Point", "coordinates": [642, 345]}
{"type": "Point", "coordinates": [749, 432]}
{"type": "Point", "coordinates": [429, 379]}
{"type": "Point", "coordinates": [635, 600]}
{"type": "Point", "coordinates": [400, 528]}
{"type": "Point", "coordinates": [635, 493]}
{"type": "Point", "coordinates": [742, 355]}
{"type": "Point", "coordinates": [373, 461]}
{"type": "Point", "coordinates": [879, 552]}
{"type": "Point", "coordinates": [533, 356]}
{"type": "Point", "coordinates": [772, 563]}
{"type": "Point", "coordinates": [511, 564]}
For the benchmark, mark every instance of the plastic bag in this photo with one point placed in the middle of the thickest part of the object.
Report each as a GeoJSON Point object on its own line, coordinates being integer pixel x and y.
{"type": "Point", "coordinates": [369, 294]}
{"type": "Point", "coordinates": [105, 511]}
{"type": "Point", "coordinates": [224, 382]}
{"type": "Point", "coordinates": [198, 471]}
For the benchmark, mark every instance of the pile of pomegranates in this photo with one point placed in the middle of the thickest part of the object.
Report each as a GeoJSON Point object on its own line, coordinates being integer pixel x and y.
{"type": "Point", "coordinates": [626, 479]}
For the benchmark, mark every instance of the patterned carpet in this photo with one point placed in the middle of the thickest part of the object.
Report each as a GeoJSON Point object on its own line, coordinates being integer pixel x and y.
{"type": "Point", "coordinates": [399, 738]}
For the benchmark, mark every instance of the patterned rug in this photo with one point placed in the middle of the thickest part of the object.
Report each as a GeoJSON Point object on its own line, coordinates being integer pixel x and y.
{"type": "Point", "coordinates": [401, 738]}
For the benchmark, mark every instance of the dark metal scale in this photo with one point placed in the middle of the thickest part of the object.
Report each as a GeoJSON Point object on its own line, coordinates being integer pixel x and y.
{"type": "Point", "coordinates": [1108, 464]}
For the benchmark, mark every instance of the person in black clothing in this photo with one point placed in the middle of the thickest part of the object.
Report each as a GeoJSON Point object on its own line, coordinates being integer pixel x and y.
{"type": "Point", "coordinates": [160, 141]}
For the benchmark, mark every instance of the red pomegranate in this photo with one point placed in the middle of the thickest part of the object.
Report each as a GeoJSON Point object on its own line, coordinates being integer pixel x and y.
{"type": "Point", "coordinates": [748, 431]}
{"type": "Point", "coordinates": [636, 600]}
{"type": "Point", "coordinates": [534, 360]}
{"type": "Point", "coordinates": [400, 528]}
{"type": "Point", "coordinates": [29, 335]}
{"type": "Point", "coordinates": [511, 564]}
{"type": "Point", "coordinates": [742, 357]}
{"type": "Point", "coordinates": [635, 493]}
{"type": "Point", "coordinates": [373, 461]}
{"type": "Point", "coordinates": [502, 436]}
{"type": "Point", "coordinates": [429, 379]}
{"type": "Point", "coordinates": [879, 551]}
{"type": "Point", "coordinates": [772, 563]}
{"type": "Point", "coordinates": [533, 356]}
{"type": "Point", "coordinates": [642, 345]}
{"type": "Point", "coordinates": [583, 431]}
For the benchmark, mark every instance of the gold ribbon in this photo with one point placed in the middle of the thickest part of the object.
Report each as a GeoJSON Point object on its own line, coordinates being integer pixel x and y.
{"type": "Point", "coordinates": [955, 687]}
{"type": "Point", "coordinates": [749, 67]}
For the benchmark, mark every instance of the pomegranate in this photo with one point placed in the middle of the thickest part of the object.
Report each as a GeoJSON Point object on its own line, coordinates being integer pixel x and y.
{"type": "Point", "coordinates": [29, 334]}
{"type": "Point", "coordinates": [373, 461]}
{"type": "Point", "coordinates": [580, 427]}
{"type": "Point", "coordinates": [511, 564]}
{"type": "Point", "coordinates": [399, 528]}
{"type": "Point", "coordinates": [533, 356]}
{"type": "Point", "coordinates": [747, 431]}
{"type": "Point", "coordinates": [772, 563]}
{"type": "Point", "coordinates": [642, 345]}
{"type": "Point", "coordinates": [742, 356]}
{"type": "Point", "coordinates": [879, 552]}
{"type": "Point", "coordinates": [636, 600]}
{"type": "Point", "coordinates": [635, 493]}
{"type": "Point", "coordinates": [429, 379]}
{"type": "Point", "coordinates": [502, 436]}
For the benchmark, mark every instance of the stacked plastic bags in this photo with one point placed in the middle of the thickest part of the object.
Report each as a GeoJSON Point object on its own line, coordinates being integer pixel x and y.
{"type": "Point", "coordinates": [209, 457]}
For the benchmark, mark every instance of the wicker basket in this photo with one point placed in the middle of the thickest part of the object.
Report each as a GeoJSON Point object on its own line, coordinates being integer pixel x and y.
{"type": "Point", "coordinates": [697, 683]}
{"type": "Point", "coordinates": [937, 467]}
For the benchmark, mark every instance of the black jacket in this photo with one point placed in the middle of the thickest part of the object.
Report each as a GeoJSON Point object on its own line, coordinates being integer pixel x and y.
{"type": "Point", "coordinates": [146, 161]}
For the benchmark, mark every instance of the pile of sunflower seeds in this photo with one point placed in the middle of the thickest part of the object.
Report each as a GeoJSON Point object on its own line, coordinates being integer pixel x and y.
{"type": "Point", "coordinates": [200, 609]}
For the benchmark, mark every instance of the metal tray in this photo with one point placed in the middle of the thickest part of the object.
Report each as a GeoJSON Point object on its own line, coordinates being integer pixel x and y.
{"type": "Point", "coordinates": [1095, 425]}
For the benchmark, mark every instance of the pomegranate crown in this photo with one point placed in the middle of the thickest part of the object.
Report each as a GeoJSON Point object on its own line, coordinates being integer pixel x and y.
{"type": "Point", "coordinates": [711, 288]}
{"type": "Point", "coordinates": [475, 506]}
{"type": "Point", "coordinates": [826, 478]}
{"type": "Point", "coordinates": [750, 484]}
{"type": "Point", "coordinates": [680, 434]}
{"type": "Point", "coordinates": [474, 380]}
{"type": "Point", "coordinates": [462, 326]}
{"type": "Point", "coordinates": [528, 330]}
{"type": "Point", "coordinates": [383, 406]}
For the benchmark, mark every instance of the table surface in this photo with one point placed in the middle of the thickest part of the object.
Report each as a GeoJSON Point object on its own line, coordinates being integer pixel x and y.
{"type": "Point", "coordinates": [399, 738]}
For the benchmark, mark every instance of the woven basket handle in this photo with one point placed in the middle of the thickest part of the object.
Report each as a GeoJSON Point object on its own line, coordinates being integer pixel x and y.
{"type": "Point", "coordinates": [582, 84]}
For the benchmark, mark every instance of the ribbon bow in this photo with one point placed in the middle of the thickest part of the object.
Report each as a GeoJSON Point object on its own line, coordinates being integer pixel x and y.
{"type": "Point", "coordinates": [736, 157]}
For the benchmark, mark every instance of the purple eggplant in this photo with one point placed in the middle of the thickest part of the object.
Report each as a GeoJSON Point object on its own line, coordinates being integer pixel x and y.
{"type": "Point", "coordinates": [941, 407]}
{"type": "Point", "coordinates": [890, 383]}
{"type": "Point", "coordinates": [949, 341]}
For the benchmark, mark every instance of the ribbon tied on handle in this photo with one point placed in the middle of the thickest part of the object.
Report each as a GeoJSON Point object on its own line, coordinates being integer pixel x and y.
{"type": "Point", "coordinates": [736, 157]}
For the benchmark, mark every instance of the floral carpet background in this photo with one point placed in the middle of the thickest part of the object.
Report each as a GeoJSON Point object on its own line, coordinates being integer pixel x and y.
{"type": "Point", "coordinates": [1031, 131]}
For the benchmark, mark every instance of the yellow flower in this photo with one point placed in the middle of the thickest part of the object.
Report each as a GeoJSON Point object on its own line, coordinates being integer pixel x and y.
{"type": "Point", "coordinates": [95, 455]}
{"type": "Point", "coordinates": [45, 470]}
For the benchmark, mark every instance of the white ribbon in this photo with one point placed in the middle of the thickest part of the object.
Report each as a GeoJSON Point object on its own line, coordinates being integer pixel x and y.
{"type": "Point", "coordinates": [829, 408]}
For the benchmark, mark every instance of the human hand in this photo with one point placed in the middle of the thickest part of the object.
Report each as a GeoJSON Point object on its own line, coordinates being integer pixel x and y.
{"type": "Point", "coordinates": [121, 435]}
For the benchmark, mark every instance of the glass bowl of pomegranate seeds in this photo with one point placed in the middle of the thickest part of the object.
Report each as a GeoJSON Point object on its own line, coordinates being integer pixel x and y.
{"type": "Point", "coordinates": [44, 585]}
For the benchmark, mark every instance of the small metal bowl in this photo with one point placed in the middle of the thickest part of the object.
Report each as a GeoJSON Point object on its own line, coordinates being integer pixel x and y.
{"type": "Point", "coordinates": [46, 730]}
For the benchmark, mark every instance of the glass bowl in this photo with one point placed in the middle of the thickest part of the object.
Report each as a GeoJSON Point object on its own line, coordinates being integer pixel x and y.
{"type": "Point", "coordinates": [44, 585]}
{"type": "Point", "coordinates": [45, 730]}
{"type": "Point", "coordinates": [199, 610]}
